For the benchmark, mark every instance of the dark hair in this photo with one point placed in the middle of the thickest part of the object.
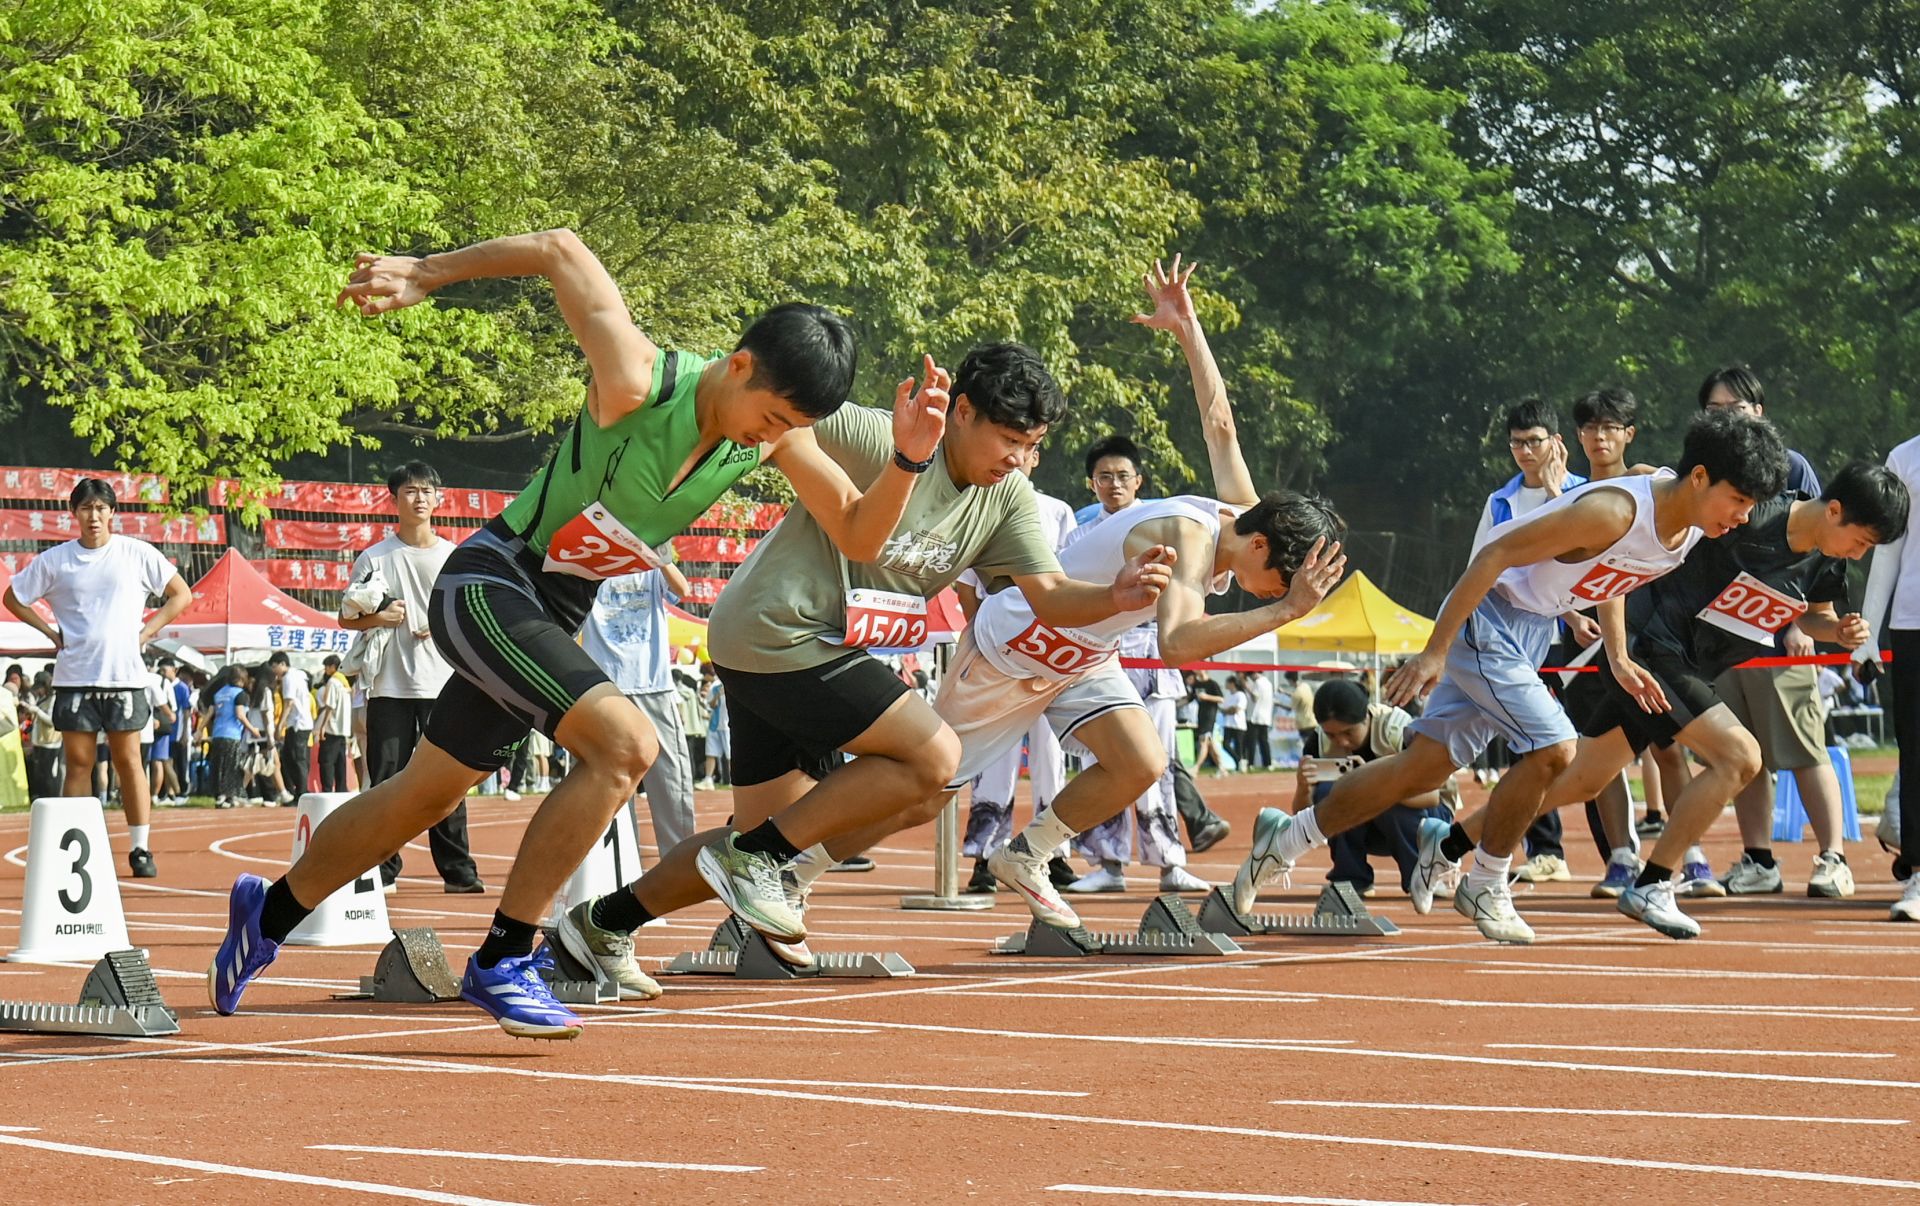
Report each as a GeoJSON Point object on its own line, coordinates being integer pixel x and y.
{"type": "Point", "coordinates": [16, 668]}
{"type": "Point", "coordinates": [279, 659]}
{"type": "Point", "coordinates": [262, 685]}
{"type": "Point", "coordinates": [1009, 386]}
{"type": "Point", "coordinates": [1291, 523]}
{"type": "Point", "coordinates": [1742, 450]}
{"type": "Point", "coordinates": [1871, 496]}
{"type": "Point", "coordinates": [1113, 445]}
{"type": "Point", "coordinates": [1340, 700]}
{"type": "Point", "coordinates": [804, 353]}
{"type": "Point", "coordinates": [1608, 404]}
{"type": "Point", "coordinates": [1530, 413]}
{"type": "Point", "coordinates": [42, 681]}
{"type": "Point", "coordinates": [92, 489]}
{"type": "Point", "coordinates": [1740, 382]}
{"type": "Point", "coordinates": [331, 661]}
{"type": "Point", "coordinates": [166, 663]}
{"type": "Point", "coordinates": [412, 471]}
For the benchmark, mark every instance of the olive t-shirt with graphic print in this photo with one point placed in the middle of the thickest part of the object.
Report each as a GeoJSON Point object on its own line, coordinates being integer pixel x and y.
{"type": "Point", "coordinates": [786, 606]}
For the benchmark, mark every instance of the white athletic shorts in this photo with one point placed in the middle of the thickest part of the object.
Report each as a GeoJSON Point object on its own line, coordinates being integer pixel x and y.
{"type": "Point", "coordinates": [991, 710]}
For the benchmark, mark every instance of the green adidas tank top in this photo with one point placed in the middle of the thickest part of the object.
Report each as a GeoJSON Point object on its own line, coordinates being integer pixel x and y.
{"type": "Point", "coordinates": [626, 467]}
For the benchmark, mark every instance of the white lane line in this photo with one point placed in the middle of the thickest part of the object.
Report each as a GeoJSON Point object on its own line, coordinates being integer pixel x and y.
{"type": "Point", "coordinates": [1689, 1051]}
{"type": "Point", "coordinates": [1199, 1195]}
{"type": "Point", "coordinates": [16, 1130]}
{"type": "Point", "coordinates": [1430, 1106]}
{"type": "Point", "coordinates": [1677, 973]}
{"type": "Point", "coordinates": [256, 1174]}
{"type": "Point", "coordinates": [513, 1158]}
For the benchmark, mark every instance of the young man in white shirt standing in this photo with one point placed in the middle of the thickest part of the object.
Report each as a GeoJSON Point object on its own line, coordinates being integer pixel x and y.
{"type": "Point", "coordinates": [402, 688]}
{"type": "Point", "coordinates": [334, 723]}
{"type": "Point", "coordinates": [296, 725]}
{"type": "Point", "coordinates": [98, 587]}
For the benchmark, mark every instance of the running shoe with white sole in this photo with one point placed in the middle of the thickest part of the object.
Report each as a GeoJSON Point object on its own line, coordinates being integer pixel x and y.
{"type": "Point", "coordinates": [1748, 878]}
{"type": "Point", "coordinates": [1831, 877]}
{"type": "Point", "coordinates": [1543, 868]}
{"type": "Point", "coordinates": [1016, 865]}
{"type": "Point", "coordinates": [1264, 864]}
{"type": "Point", "coordinates": [1619, 878]}
{"type": "Point", "coordinates": [1696, 879]}
{"type": "Point", "coordinates": [1179, 879]}
{"type": "Point", "coordinates": [1434, 874]}
{"type": "Point", "coordinates": [609, 950]}
{"type": "Point", "coordinates": [1490, 906]}
{"type": "Point", "coordinates": [1907, 908]}
{"type": "Point", "coordinates": [515, 995]}
{"type": "Point", "coordinates": [749, 883]}
{"type": "Point", "coordinates": [1107, 877]}
{"type": "Point", "coordinates": [1654, 904]}
{"type": "Point", "coordinates": [243, 953]}
{"type": "Point", "coordinates": [794, 954]}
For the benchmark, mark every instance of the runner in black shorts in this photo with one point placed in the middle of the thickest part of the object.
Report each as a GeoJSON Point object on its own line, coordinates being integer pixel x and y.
{"type": "Point", "coordinates": [661, 436]}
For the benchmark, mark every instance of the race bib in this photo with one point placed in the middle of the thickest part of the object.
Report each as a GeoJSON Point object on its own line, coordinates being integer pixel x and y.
{"type": "Point", "coordinates": [595, 545]}
{"type": "Point", "coordinates": [1751, 610]}
{"type": "Point", "coordinates": [1604, 582]}
{"type": "Point", "coordinates": [879, 619]}
{"type": "Point", "coordinates": [1055, 652]}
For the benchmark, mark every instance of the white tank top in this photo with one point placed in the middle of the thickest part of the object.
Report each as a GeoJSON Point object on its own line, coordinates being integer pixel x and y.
{"type": "Point", "coordinates": [1013, 639]}
{"type": "Point", "coordinates": [1637, 558]}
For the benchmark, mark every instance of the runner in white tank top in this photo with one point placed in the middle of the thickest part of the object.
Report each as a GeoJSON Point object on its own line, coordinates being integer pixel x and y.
{"type": "Point", "coordinates": [1591, 546]}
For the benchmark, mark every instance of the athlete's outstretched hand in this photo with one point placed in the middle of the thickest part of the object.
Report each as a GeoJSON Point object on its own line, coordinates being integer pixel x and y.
{"type": "Point", "coordinates": [920, 419]}
{"type": "Point", "coordinates": [1637, 682]}
{"type": "Point", "coordinates": [383, 282]}
{"type": "Point", "coordinates": [1413, 679]}
{"type": "Point", "coordinates": [1172, 304]}
{"type": "Point", "coordinates": [1852, 632]}
{"type": "Point", "coordinates": [1143, 577]}
{"type": "Point", "coordinates": [1320, 573]}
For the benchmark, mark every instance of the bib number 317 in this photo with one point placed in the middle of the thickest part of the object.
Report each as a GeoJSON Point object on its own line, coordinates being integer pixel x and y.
{"type": "Point", "coordinates": [595, 545]}
{"type": "Point", "coordinates": [880, 619]}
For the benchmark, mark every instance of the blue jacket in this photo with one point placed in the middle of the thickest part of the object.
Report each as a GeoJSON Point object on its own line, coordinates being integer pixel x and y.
{"type": "Point", "coordinates": [1500, 502]}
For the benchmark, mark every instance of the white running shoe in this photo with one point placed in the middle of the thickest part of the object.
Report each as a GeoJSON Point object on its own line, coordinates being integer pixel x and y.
{"type": "Point", "coordinates": [1179, 879]}
{"type": "Point", "coordinates": [1748, 878]}
{"type": "Point", "coordinates": [1026, 871]}
{"type": "Point", "coordinates": [1831, 876]}
{"type": "Point", "coordinates": [1491, 908]}
{"type": "Point", "coordinates": [1654, 904]}
{"type": "Point", "coordinates": [748, 882]}
{"type": "Point", "coordinates": [1107, 877]}
{"type": "Point", "coordinates": [609, 950]}
{"type": "Point", "coordinates": [795, 954]}
{"type": "Point", "coordinates": [1907, 908]}
{"type": "Point", "coordinates": [1264, 864]}
{"type": "Point", "coordinates": [1434, 874]}
{"type": "Point", "coordinates": [1543, 868]}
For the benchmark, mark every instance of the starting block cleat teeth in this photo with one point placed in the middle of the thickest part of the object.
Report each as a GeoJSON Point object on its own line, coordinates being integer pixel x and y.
{"type": "Point", "coordinates": [740, 951]}
{"type": "Point", "coordinates": [411, 969]}
{"type": "Point", "coordinates": [1167, 928]}
{"type": "Point", "coordinates": [119, 999]}
{"type": "Point", "coordinates": [1338, 911]}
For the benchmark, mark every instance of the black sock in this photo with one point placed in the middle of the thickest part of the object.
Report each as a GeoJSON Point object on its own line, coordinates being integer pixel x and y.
{"type": "Point", "coordinates": [281, 912]}
{"type": "Point", "coordinates": [1653, 873]}
{"type": "Point", "coordinates": [620, 910]}
{"type": "Point", "coordinates": [1839, 854]}
{"type": "Point", "coordinates": [508, 939]}
{"type": "Point", "coordinates": [1762, 855]}
{"type": "Point", "coordinates": [766, 838]}
{"type": "Point", "coordinates": [1456, 845]}
{"type": "Point", "coordinates": [1902, 869]}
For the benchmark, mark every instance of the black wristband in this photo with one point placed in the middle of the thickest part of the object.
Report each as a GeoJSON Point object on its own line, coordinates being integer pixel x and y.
{"type": "Point", "coordinates": [900, 459]}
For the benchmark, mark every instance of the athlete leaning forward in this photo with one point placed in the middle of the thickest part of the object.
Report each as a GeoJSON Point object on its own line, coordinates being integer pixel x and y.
{"type": "Point", "coordinates": [1591, 546]}
{"type": "Point", "coordinates": [661, 436]}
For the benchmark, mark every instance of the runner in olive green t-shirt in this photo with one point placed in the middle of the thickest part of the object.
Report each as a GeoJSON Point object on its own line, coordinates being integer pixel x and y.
{"type": "Point", "coordinates": [662, 434]}
{"type": "Point", "coordinates": [790, 640]}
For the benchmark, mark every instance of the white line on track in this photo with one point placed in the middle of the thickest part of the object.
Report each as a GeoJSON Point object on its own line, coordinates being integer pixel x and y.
{"type": "Point", "coordinates": [1690, 1051]}
{"type": "Point", "coordinates": [257, 1174]}
{"type": "Point", "coordinates": [1431, 1106]}
{"type": "Point", "coordinates": [514, 1158]}
{"type": "Point", "coordinates": [1198, 1195]}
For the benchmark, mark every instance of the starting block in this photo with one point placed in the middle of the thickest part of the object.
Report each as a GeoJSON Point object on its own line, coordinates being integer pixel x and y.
{"type": "Point", "coordinates": [1338, 911]}
{"type": "Point", "coordinates": [1167, 928]}
{"type": "Point", "coordinates": [574, 982]}
{"type": "Point", "coordinates": [740, 951]}
{"type": "Point", "coordinates": [119, 999]}
{"type": "Point", "coordinates": [412, 969]}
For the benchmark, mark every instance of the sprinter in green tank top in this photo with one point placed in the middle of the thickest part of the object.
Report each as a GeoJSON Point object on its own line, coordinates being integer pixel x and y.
{"type": "Point", "coordinates": [662, 435]}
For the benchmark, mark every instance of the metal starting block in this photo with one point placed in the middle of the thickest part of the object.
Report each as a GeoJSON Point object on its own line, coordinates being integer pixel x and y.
{"type": "Point", "coordinates": [1339, 910]}
{"type": "Point", "coordinates": [119, 999]}
{"type": "Point", "coordinates": [412, 969]}
{"type": "Point", "coordinates": [1167, 928]}
{"type": "Point", "coordinates": [740, 951]}
{"type": "Point", "coordinates": [574, 982]}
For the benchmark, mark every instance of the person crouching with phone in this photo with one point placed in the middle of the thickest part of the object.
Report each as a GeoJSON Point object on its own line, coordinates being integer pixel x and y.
{"type": "Point", "coordinates": [1351, 731]}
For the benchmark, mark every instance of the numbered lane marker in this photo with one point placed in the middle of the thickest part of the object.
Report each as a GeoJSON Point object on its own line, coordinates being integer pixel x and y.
{"type": "Point", "coordinates": [71, 909]}
{"type": "Point", "coordinates": [356, 914]}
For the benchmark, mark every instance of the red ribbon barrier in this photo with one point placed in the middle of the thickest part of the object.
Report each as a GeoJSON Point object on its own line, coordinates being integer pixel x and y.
{"type": "Point", "coordinates": [1757, 663]}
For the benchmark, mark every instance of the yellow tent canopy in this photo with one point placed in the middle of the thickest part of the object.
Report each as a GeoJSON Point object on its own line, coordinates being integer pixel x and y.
{"type": "Point", "coordinates": [1357, 617]}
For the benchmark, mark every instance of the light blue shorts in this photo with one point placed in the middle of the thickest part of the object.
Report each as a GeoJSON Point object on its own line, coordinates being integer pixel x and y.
{"type": "Point", "coordinates": [1492, 686]}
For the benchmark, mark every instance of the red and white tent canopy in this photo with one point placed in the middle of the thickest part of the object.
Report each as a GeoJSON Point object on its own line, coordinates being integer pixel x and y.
{"type": "Point", "coordinates": [17, 638]}
{"type": "Point", "coordinates": [235, 607]}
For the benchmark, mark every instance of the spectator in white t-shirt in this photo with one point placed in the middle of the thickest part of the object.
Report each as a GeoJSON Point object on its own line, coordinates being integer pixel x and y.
{"type": "Point", "coordinates": [296, 722]}
{"type": "Point", "coordinates": [334, 724]}
{"type": "Point", "coordinates": [98, 586]}
{"type": "Point", "coordinates": [410, 671]}
{"type": "Point", "coordinates": [1259, 718]}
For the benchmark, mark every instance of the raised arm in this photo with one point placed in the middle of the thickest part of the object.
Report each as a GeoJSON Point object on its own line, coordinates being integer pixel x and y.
{"type": "Point", "coordinates": [620, 357]}
{"type": "Point", "coordinates": [1173, 312]}
{"type": "Point", "coordinates": [860, 524]}
{"type": "Point", "coordinates": [1187, 632]}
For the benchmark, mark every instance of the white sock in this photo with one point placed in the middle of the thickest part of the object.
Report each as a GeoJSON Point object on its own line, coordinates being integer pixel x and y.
{"type": "Point", "coordinates": [1301, 836]}
{"type": "Point", "coordinates": [137, 834]}
{"type": "Point", "coordinates": [1045, 833]}
{"type": "Point", "coordinates": [1694, 855]}
{"type": "Point", "coordinates": [1487, 869]}
{"type": "Point", "coordinates": [1624, 855]}
{"type": "Point", "coordinates": [811, 865]}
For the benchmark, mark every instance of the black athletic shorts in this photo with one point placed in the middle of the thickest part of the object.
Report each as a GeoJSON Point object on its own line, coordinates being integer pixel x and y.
{"type": "Point", "coordinates": [516, 664]}
{"type": "Point", "coordinates": [799, 719]}
{"type": "Point", "coordinates": [1689, 692]}
{"type": "Point", "coordinates": [100, 709]}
